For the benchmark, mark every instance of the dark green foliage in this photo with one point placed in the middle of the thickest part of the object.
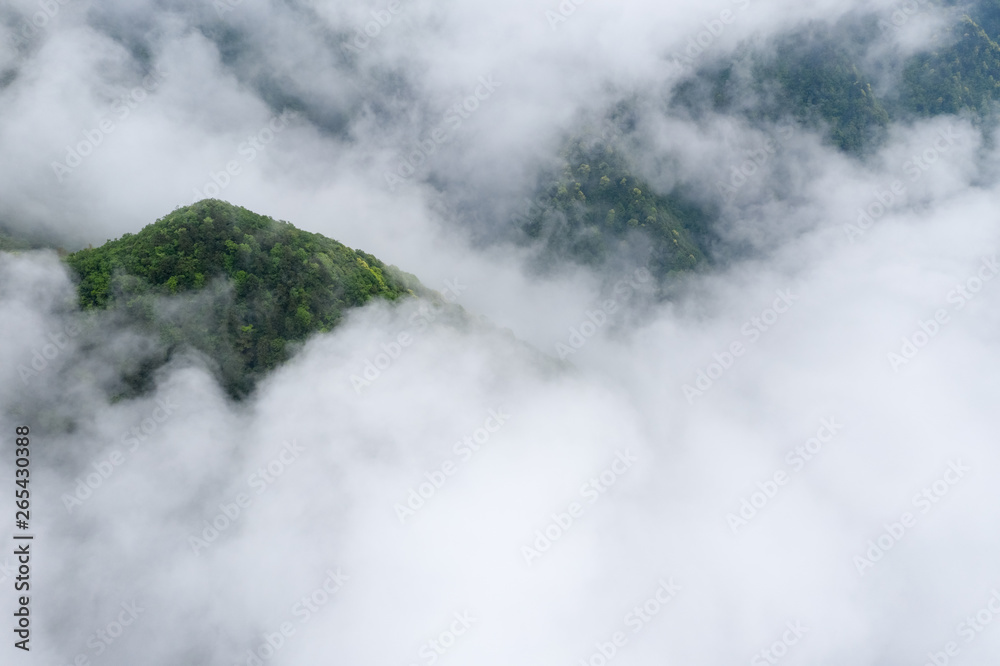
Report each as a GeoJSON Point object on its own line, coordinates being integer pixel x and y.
{"type": "Point", "coordinates": [596, 205]}
{"type": "Point", "coordinates": [811, 75]}
{"type": "Point", "coordinates": [963, 76]}
{"type": "Point", "coordinates": [816, 77]}
{"type": "Point", "coordinates": [819, 75]}
{"type": "Point", "coordinates": [986, 13]}
{"type": "Point", "coordinates": [256, 284]}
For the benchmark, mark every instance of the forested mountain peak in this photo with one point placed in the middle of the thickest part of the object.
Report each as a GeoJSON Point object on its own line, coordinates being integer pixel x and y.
{"type": "Point", "coordinates": [271, 283]}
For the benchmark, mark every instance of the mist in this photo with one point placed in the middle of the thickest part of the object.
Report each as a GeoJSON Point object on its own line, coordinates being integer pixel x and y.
{"type": "Point", "coordinates": [789, 458]}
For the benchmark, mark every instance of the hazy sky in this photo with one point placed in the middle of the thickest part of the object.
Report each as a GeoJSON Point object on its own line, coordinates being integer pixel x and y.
{"type": "Point", "coordinates": [715, 477]}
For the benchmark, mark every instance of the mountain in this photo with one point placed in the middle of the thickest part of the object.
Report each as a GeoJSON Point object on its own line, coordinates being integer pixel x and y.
{"type": "Point", "coordinates": [239, 287]}
{"type": "Point", "coordinates": [838, 79]}
{"type": "Point", "coordinates": [595, 210]}
{"type": "Point", "coordinates": [841, 79]}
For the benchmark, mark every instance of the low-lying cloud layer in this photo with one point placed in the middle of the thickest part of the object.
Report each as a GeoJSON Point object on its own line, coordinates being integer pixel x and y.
{"type": "Point", "coordinates": [790, 461]}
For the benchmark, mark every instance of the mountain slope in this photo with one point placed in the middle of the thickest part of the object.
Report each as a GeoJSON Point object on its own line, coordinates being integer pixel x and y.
{"type": "Point", "coordinates": [245, 286]}
{"type": "Point", "coordinates": [596, 207]}
{"type": "Point", "coordinates": [823, 75]}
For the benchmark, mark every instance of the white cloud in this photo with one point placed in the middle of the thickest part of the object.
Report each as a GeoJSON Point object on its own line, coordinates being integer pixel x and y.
{"type": "Point", "coordinates": [362, 453]}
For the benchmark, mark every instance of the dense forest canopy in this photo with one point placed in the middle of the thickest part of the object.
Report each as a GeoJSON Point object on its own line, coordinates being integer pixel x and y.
{"type": "Point", "coordinates": [827, 76]}
{"type": "Point", "coordinates": [272, 284]}
{"type": "Point", "coordinates": [596, 206]}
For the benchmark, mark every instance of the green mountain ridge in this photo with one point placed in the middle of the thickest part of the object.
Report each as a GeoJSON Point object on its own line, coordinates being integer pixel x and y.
{"type": "Point", "coordinates": [596, 207]}
{"type": "Point", "coordinates": [269, 286]}
{"type": "Point", "coordinates": [823, 75]}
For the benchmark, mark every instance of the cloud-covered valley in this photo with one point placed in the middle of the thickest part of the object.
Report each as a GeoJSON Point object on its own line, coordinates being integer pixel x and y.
{"type": "Point", "coordinates": [785, 455]}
